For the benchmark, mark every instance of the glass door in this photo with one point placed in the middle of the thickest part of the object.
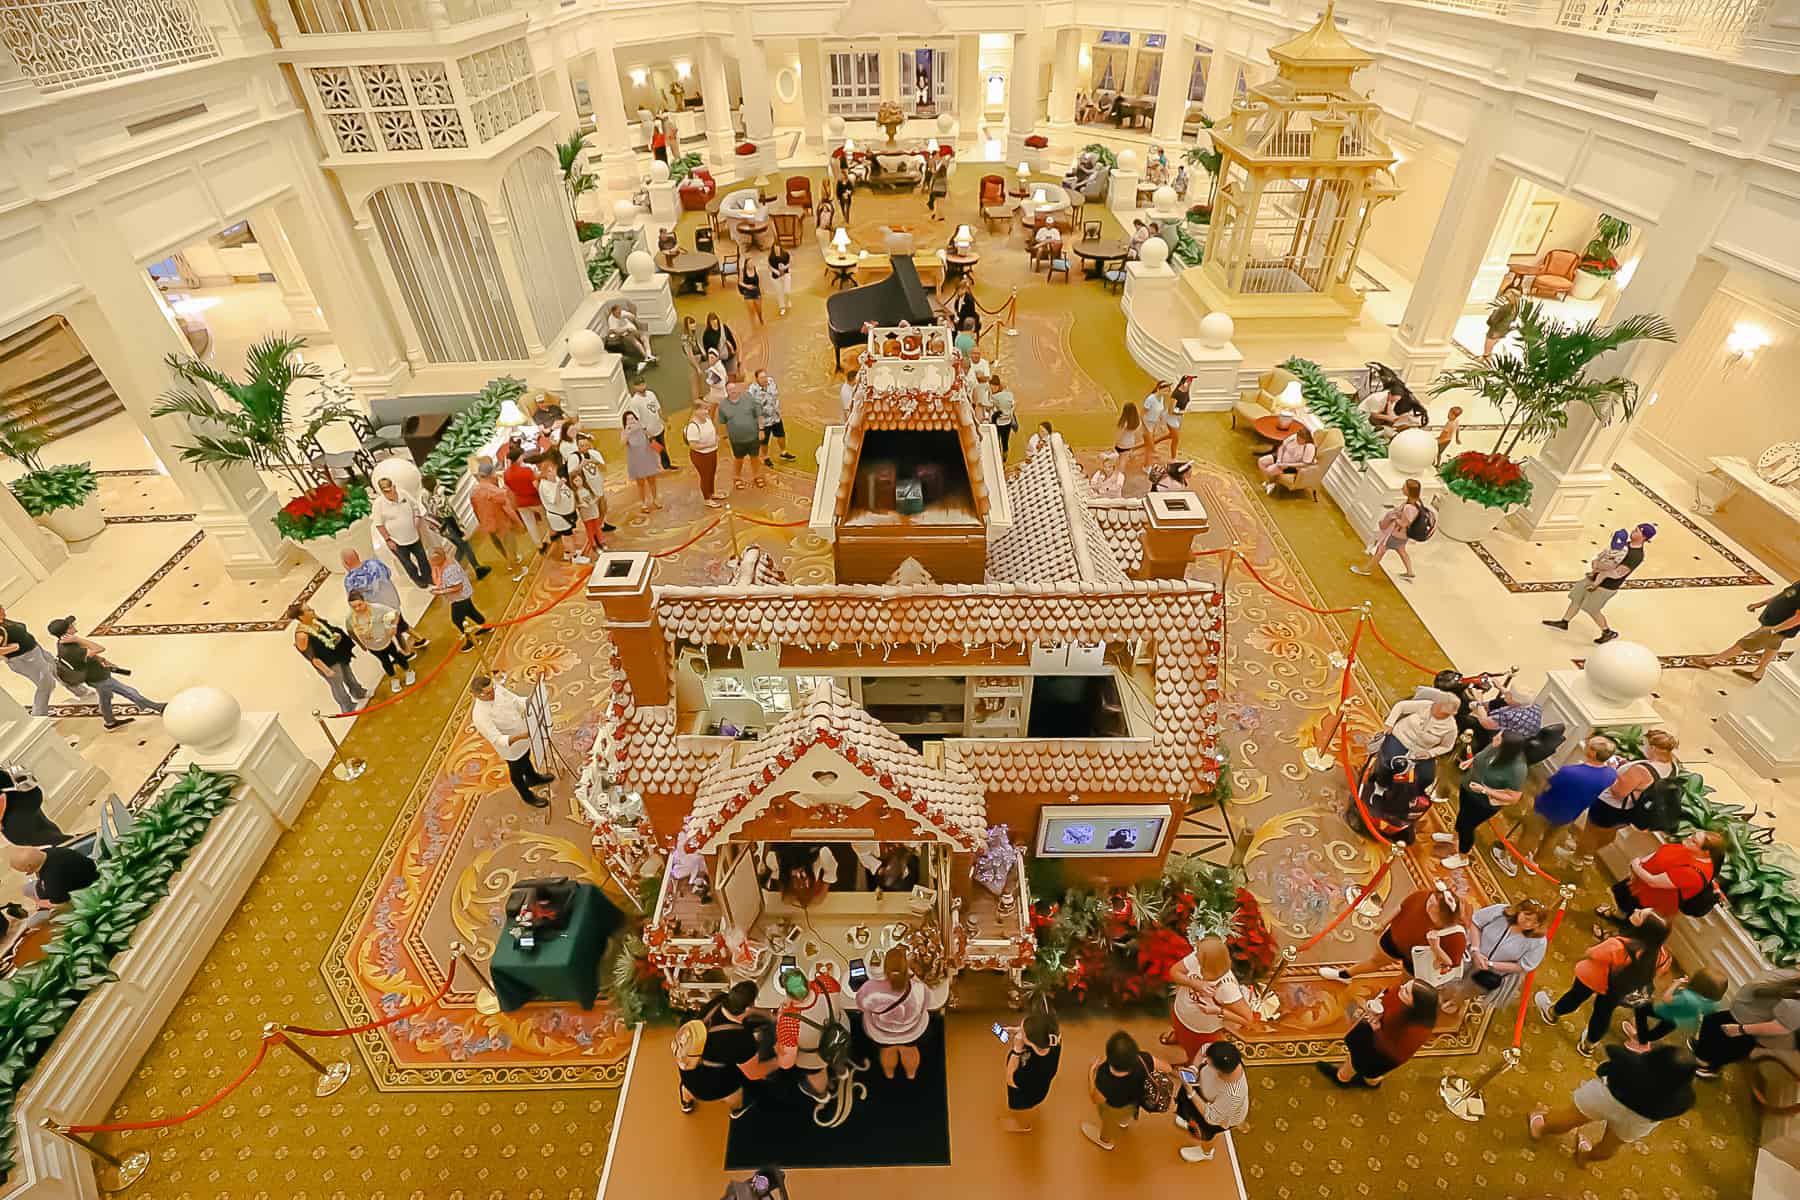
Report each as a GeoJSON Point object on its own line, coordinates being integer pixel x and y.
{"type": "Point", "coordinates": [855, 83]}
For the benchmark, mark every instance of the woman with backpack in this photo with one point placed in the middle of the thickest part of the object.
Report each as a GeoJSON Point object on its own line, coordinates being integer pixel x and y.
{"type": "Point", "coordinates": [1408, 521]}
{"type": "Point", "coordinates": [896, 1012]}
{"type": "Point", "coordinates": [1677, 877]}
{"type": "Point", "coordinates": [1033, 1054]}
{"type": "Point", "coordinates": [717, 1052]}
{"type": "Point", "coordinates": [1625, 798]}
{"type": "Point", "coordinates": [1619, 970]}
{"type": "Point", "coordinates": [811, 1032]}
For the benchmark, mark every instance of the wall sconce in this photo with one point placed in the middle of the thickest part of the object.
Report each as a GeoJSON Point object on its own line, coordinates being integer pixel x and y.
{"type": "Point", "coordinates": [682, 68]}
{"type": "Point", "coordinates": [638, 77]}
{"type": "Point", "coordinates": [1742, 343]}
{"type": "Point", "coordinates": [1085, 56]}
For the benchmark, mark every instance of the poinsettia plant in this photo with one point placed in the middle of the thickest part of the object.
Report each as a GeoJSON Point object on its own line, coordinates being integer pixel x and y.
{"type": "Point", "coordinates": [323, 511]}
{"type": "Point", "coordinates": [1490, 480]}
{"type": "Point", "coordinates": [1605, 267]}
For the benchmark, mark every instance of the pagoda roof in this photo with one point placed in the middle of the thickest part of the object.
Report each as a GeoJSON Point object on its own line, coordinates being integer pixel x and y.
{"type": "Point", "coordinates": [1324, 45]}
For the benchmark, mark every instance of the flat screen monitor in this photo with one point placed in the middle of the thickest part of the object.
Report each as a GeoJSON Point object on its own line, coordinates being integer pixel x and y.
{"type": "Point", "coordinates": [1101, 830]}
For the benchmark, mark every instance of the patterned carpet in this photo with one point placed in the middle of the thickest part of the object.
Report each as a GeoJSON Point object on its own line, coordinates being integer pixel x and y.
{"type": "Point", "coordinates": [356, 907]}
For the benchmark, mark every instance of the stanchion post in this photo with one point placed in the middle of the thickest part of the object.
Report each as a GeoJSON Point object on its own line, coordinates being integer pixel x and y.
{"type": "Point", "coordinates": [130, 1169]}
{"type": "Point", "coordinates": [1012, 314]}
{"type": "Point", "coordinates": [344, 769]}
{"type": "Point", "coordinates": [1464, 1099]}
{"type": "Point", "coordinates": [330, 1078]}
{"type": "Point", "coordinates": [486, 1002]}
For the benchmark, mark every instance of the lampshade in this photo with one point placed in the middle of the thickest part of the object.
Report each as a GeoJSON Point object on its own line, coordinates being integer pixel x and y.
{"type": "Point", "coordinates": [849, 145]}
{"type": "Point", "coordinates": [511, 416]}
{"type": "Point", "coordinates": [841, 240]}
{"type": "Point", "coordinates": [931, 146]}
{"type": "Point", "coordinates": [1291, 399]}
{"type": "Point", "coordinates": [1039, 195]}
{"type": "Point", "coordinates": [1024, 168]}
{"type": "Point", "coordinates": [963, 235]}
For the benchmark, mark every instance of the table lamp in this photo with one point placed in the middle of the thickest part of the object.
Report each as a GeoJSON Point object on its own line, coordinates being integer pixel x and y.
{"type": "Point", "coordinates": [840, 241]}
{"type": "Point", "coordinates": [931, 147]}
{"type": "Point", "coordinates": [1024, 173]}
{"type": "Point", "coordinates": [1039, 196]}
{"type": "Point", "coordinates": [963, 239]}
{"type": "Point", "coordinates": [511, 415]}
{"type": "Point", "coordinates": [849, 145]}
{"type": "Point", "coordinates": [1290, 402]}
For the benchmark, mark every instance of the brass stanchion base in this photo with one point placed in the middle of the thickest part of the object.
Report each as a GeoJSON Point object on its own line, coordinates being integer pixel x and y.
{"type": "Point", "coordinates": [335, 1076]}
{"type": "Point", "coordinates": [1318, 760]}
{"type": "Point", "coordinates": [486, 1003]}
{"type": "Point", "coordinates": [131, 1169]}
{"type": "Point", "coordinates": [349, 769]}
{"type": "Point", "coordinates": [1461, 1099]}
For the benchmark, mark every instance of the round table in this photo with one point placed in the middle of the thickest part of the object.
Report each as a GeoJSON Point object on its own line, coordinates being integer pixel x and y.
{"type": "Point", "coordinates": [843, 267]}
{"type": "Point", "coordinates": [691, 267]}
{"type": "Point", "coordinates": [960, 264]}
{"type": "Point", "coordinates": [1271, 429]}
{"type": "Point", "coordinates": [1097, 253]}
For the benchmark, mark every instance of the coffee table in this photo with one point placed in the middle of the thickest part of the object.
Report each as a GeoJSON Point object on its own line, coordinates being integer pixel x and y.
{"type": "Point", "coordinates": [842, 266]}
{"type": "Point", "coordinates": [960, 264]}
{"type": "Point", "coordinates": [690, 267]}
{"type": "Point", "coordinates": [1271, 428]}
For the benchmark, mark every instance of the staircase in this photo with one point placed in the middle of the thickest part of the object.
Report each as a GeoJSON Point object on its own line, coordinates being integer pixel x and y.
{"type": "Point", "coordinates": [48, 382]}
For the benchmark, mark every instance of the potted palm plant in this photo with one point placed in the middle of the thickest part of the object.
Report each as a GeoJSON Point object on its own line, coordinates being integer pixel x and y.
{"type": "Point", "coordinates": [259, 426]}
{"type": "Point", "coordinates": [1536, 385]}
{"type": "Point", "coordinates": [63, 499]}
{"type": "Point", "coordinates": [1599, 261]}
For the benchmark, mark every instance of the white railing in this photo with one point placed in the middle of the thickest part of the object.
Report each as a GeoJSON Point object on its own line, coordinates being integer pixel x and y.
{"type": "Point", "coordinates": [63, 44]}
{"type": "Point", "coordinates": [1707, 24]}
{"type": "Point", "coordinates": [388, 16]}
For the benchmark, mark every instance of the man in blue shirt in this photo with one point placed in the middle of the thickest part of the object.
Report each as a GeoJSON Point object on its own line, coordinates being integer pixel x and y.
{"type": "Point", "coordinates": [371, 577]}
{"type": "Point", "coordinates": [1571, 790]}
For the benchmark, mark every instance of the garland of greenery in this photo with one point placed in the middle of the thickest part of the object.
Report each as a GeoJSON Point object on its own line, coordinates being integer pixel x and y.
{"type": "Point", "coordinates": [37, 1002]}
{"type": "Point", "coordinates": [1762, 891]}
{"type": "Point", "coordinates": [470, 430]}
{"type": "Point", "coordinates": [1337, 410]}
{"type": "Point", "coordinates": [49, 488]}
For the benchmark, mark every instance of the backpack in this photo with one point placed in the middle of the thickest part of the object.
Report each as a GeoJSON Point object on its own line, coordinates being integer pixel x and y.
{"type": "Point", "coordinates": [690, 1042]}
{"type": "Point", "coordinates": [1658, 806]}
{"type": "Point", "coordinates": [1424, 525]}
{"type": "Point", "coordinates": [834, 1038]}
{"type": "Point", "coordinates": [1159, 1090]}
{"type": "Point", "coordinates": [1701, 902]}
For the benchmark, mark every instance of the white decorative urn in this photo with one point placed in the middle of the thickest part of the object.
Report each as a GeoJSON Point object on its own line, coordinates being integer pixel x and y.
{"type": "Point", "coordinates": [659, 171]}
{"type": "Point", "coordinates": [836, 125]}
{"type": "Point", "coordinates": [640, 266]}
{"type": "Point", "coordinates": [1128, 161]}
{"type": "Point", "coordinates": [202, 718]}
{"type": "Point", "coordinates": [625, 211]}
{"type": "Point", "coordinates": [1154, 253]}
{"type": "Point", "coordinates": [586, 347]}
{"type": "Point", "coordinates": [1623, 671]}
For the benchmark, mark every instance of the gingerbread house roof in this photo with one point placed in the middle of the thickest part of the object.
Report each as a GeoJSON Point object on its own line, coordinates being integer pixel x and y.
{"type": "Point", "coordinates": [1055, 537]}
{"type": "Point", "coordinates": [945, 797]}
{"type": "Point", "coordinates": [1121, 524]}
{"type": "Point", "coordinates": [950, 409]}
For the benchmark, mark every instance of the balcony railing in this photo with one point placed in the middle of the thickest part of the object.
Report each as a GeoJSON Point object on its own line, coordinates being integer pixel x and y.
{"type": "Point", "coordinates": [63, 44]}
{"type": "Point", "coordinates": [1704, 24]}
{"type": "Point", "coordinates": [388, 16]}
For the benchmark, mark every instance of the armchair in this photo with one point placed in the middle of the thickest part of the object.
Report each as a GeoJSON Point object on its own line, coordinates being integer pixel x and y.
{"type": "Point", "coordinates": [1252, 406]}
{"type": "Point", "coordinates": [1327, 445]}
{"type": "Point", "coordinates": [1551, 275]}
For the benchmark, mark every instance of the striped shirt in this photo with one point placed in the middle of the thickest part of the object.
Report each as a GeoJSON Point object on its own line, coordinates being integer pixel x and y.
{"type": "Point", "coordinates": [454, 580]}
{"type": "Point", "coordinates": [1225, 1104]}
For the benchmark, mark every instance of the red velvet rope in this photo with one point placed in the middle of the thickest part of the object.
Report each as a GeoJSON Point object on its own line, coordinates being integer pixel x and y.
{"type": "Point", "coordinates": [1533, 867]}
{"type": "Point", "coordinates": [1368, 889]}
{"type": "Point", "coordinates": [262, 1052]}
{"type": "Point", "coordinates": [411, 1010]}
{"type": "Point", "coordinates": [690, 541]}
{"type": "Point", "coordinates": [1281, 595]}
{"type": "Point", "coordinates": [1411, 662]}
{"type": "Point", "coordinates": [770, 524]}
{"type": "Point", "coordinates": [1356, 792]}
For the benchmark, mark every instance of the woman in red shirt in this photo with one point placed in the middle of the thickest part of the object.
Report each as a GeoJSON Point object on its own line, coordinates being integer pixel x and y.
{"type": "Point", "coordinates": [1668, 877]}
{"type": "Point", "coordinates": [520, 479]}
{"type": "Point", "coordinates": [1405, 1017]}
{"type": "Point", "coordinates": [1435, 916]}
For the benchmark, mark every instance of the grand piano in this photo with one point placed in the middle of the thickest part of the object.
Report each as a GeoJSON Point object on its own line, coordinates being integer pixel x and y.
{"type": "Point", "coordinates": [899, 297]}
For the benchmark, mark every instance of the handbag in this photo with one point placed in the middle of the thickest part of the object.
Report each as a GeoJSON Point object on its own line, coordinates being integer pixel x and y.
{"type": "Point", "coordinates": [1159, 1090]}
{"type": "Point", "coordinates": [1487, 979]}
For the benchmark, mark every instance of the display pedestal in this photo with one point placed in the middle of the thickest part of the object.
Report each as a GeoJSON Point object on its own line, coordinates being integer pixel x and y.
{"type": "Point", "coordinates": [1365, 496]}
{"type": "Point", "coordinates": [665, 205]}
{"type": "Point", "coordinates": [70, 782]}
{"type": "Point", "coordinates": [654, 301]}
{"type": "Point", "coordinates": [1567, 697]}
{"type": "Point", "coordinates": [595, 392]}
{"type": "Point", "coordinates": [1764, 723]}
{"type": "Point", "coordinates": [1121, 190]}
{"type": "Point", "coordinates": [1215, 370]}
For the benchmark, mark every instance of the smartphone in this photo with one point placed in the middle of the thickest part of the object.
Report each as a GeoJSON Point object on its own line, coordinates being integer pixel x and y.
{"type": "Point", "coordinates": [1188, 1074]}
{"type": "Point", "coordinates": [1001, 1032]}
{"type": "Point", "coordinates": [859, 973]}
{"type": "Point", "coordinates": [787, 967]}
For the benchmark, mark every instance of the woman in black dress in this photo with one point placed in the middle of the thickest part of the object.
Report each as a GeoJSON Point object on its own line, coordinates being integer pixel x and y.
{"type": "Point", "coordinates": [962, 307]}
{"type": "Point", "coordinates": [718, 336]}
{"type": "Point", "coordinates": [730, 1053]}
{"type": "Point", "coordinates": [845, 194]}
{"type": "Point", "coordinates": [1034, 1051]}
{"type": "Point", "coordinates": [750, 288]}
{"type": "Point", "coordinates": [22, 819]}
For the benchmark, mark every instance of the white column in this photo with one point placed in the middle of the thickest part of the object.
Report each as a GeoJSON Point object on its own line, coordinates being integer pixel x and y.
{"type": "Point", "coordinates": [1065, 69]}
{"type": "Point", "coordinates": [506, 252]}
{"type": "Point", "coordinates": [1672, 280]}
{"type": "Point", "coordinates": [889, 51]}
{"type": "Point", "coordinates": [28, 551]}
{"type": "Point", "coordinates": [384, 270]}
{"type": "Point", "coordinates": [1478, 193]}
{"type": "Point", "coordinates": [612, 130]}
{"type": "Point", "coordinates": [812, 92]}
{"type": "Point", "coordinates": [971, 85]}
{"type": "Point", "coordinates": [759, 112]}
{"type": "Point", "coordinates": [304, 313]}
{"type": "Point", "coordinates": [715, 95]}
{"type": "Point", "coordinates": [559, 95]}
{"type": "Point", "coordinates": [1172, 89]}
{"type": "Point", "coordinates": [1022, 87]}
{"type": "Point", "coordinates": [1221, 85]}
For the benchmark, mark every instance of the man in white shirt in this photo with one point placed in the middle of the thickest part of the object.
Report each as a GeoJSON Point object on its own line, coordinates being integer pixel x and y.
{"type": "Point", "coordinates": [1420, 730]}
{"type": "Point", "coordinates": [1218, 1100]}
{"type": "Point", "coordinates": [397, 520]}
{"type": "Point", "coordinates": [643, 404]}
{"type": "Point", "coordinates": [499, 716]}
{"type": "Point", "coordinates": [627, 339]}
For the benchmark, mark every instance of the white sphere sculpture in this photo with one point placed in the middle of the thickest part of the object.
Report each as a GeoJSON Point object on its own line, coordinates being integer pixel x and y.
{"type": "Point", "coordinates": [403, 471]}
{"type": "Point", "coordinates": [1622, 671]}
{"type": "Point", "coordinates": [1412, 451]}
{"type": "Point", "coordinates": [1128, 161]}
{"type": "Point", "coordinates": [1163, 199]}
{"type": "Point", "coordinates": [640, 266]}
{"type": "Point", "coordinates": [202, 717]}
{"type": "Point", "coordinates": [836, 124]}
{"type": "Point", "coordinates": [946, 123]}
{"type": "Point", "coordinates": [586, 347]}
{"type": "Point", "coordinates": [624, 210]}
{"type": "Point", "coordinates": [1216, 329]}
{"type": "Point", "coordinates": [1154, 252]}
{"type": "Point", "coordinates": [659, 171]}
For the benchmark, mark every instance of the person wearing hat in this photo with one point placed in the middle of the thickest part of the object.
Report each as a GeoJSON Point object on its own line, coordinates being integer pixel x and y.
{"type": "Point", "coordinates": [25, 657]}
{"type": "Point", "coordinates": [80, 661]}
{"type": "Point", "coordinates": [1606, 575]}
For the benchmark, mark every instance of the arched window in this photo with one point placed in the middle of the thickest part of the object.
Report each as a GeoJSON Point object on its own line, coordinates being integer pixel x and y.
{"type": "Point", "coordinates": [543, 226]}
{"type": "Point", "coordinates": [437, 243]}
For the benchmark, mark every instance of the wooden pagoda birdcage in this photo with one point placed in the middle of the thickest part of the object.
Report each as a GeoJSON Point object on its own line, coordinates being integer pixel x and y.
{"type": "Point", "coordinates": [1304, 167]}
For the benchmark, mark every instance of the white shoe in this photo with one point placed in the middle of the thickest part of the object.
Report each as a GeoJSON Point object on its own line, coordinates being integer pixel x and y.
{"type": "Point", "coordinates": [1359, 570]}
{"type": "Point", "coordinates": [394, 686]}
{"type": "Point", "coordinates": [1337, 974]}
{"type": "Point", "coordinates": [1504, 860]}
{"type": "Point", "coordinates": [1196, 1154]}
{"type": "Point", "coordinates": [1270, 489]}
{"type": "Point", "coordinates": [410, 677]}
{"type": "Point", "coordinates": [1545, 1006]}
{"type": "Point", "coordinates": [1442, 839]}
{"type": "Point", "coordinates": [1091, 1132]}
{"type": "Point", "coordinates": [580, 558]}
{"type": "Point", "coordinates": [521, 573]}
{"type": "Point", "coordinates": [1455, 862]}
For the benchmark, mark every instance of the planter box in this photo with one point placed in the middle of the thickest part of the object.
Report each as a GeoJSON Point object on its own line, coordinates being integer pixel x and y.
{"type": "Point", "coordinates": [76, 524]}
{"type": "Point", "coordinates": [1466, 521]}
{"type": "Point", "coordinates": [328, 551]}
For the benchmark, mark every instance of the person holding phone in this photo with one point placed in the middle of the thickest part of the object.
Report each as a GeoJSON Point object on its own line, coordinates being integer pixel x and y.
{"type": "Point", "coordinates": [1033, 1054]}
{"type": "Point", "coordinates": [1213, 1099]}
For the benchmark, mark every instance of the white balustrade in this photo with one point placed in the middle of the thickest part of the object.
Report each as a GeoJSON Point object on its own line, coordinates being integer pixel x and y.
{"type": "Point", "coordinates": [386, 16]}
{"type": "Point", "coordinates": [1705, 24]}
{"type": "Point", "coordinates": [63, 44]}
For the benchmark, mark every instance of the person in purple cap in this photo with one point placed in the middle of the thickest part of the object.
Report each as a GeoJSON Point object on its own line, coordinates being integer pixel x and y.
{"type": "Point", "coordinates": [1606, 575]}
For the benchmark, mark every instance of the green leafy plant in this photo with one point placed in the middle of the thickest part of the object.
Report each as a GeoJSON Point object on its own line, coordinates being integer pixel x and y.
{"type": "Point", "coordinates": [568, 157]}
{"type": "Point", "coordinates": [471, 429]}
{"type": "Point", "coordinates": [1600, 256]}
{"type": "Point", "coordinates": [1540, 382]}
{"type": "Point", "coordinates": [681, 168]}
{"type": "Point", "coordinates": [1185, 249]}
{"type": "Point", "coordinates": [258, 426]}
{"type": "Point", "coordinates": [325, 511]}
{"type": "Point", "coordinates": [44, 489]}
{"type": "Point", "coordinates": [607, 260]}
{"type": "Point", "coordinates": [1204, 153]}
{"type": "Point", "coordinates": [1338, 410]}
{"type": "Point", "coordinates": [1107, 158]}
{"type": "Point", "coordinates": [38, 1000]}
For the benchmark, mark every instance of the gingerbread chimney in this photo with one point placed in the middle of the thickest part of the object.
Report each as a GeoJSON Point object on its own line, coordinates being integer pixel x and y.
{"type": "Point", "coordinates": [1176, 518]}
{"type": "Point", "coordinates": [621, 584]}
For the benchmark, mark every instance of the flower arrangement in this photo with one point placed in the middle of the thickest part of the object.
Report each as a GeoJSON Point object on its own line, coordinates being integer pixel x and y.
{"type": "Point", "coordinates": [1490, 480]}
{"type": "Point", "coordinates": [323, 511]}
{"type": "Point", "coordinates": [1605, 267]}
